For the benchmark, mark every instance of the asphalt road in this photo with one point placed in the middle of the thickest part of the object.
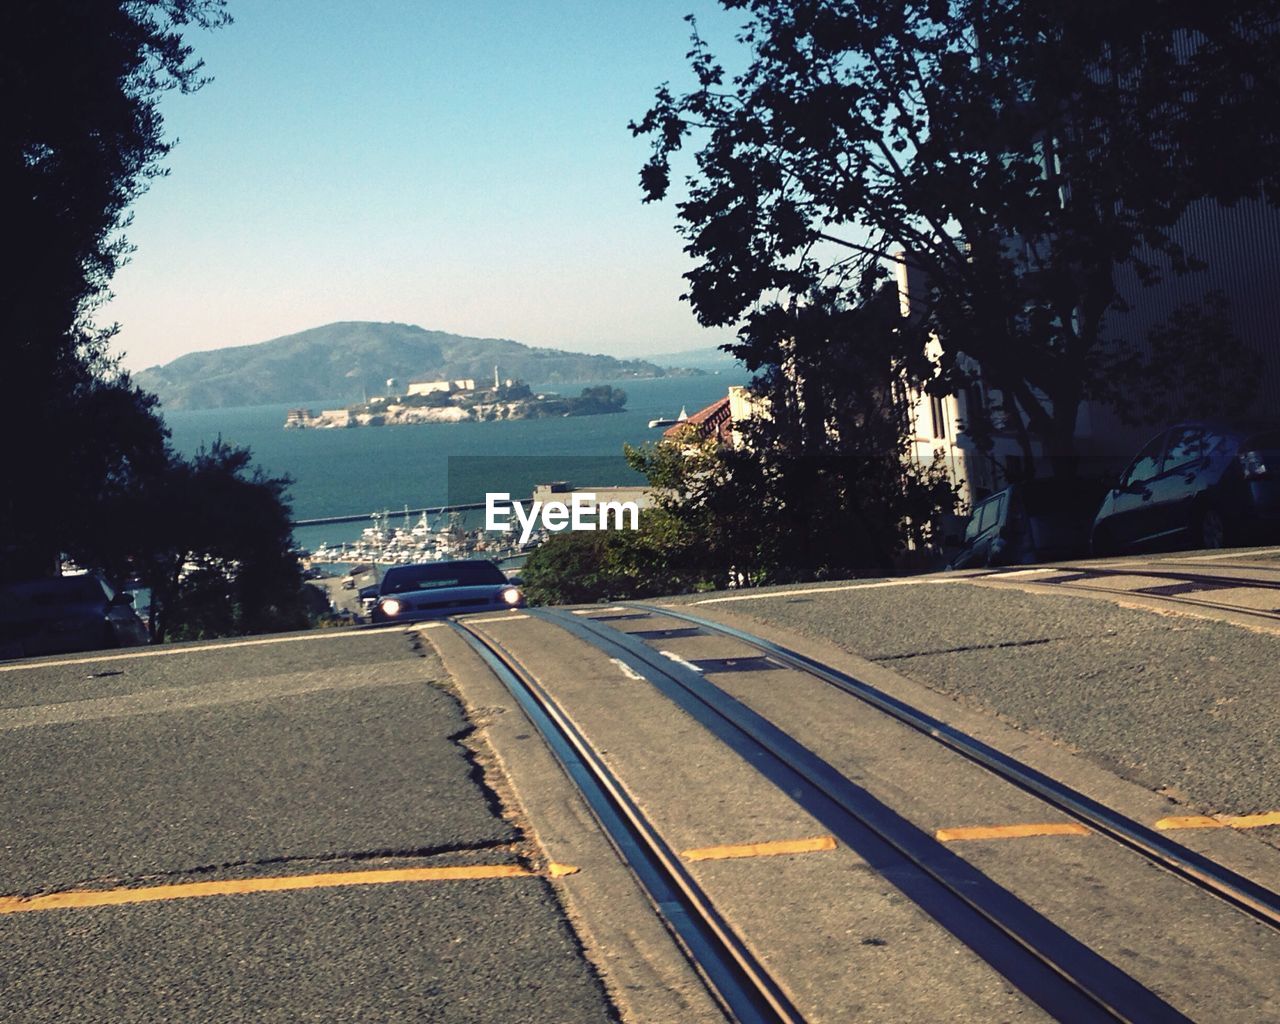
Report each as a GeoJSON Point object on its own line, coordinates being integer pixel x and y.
{"type": "Point", "coordinates": [1055, 681]}
{"type": "Point", "coordinates": [256, 830]}
{"type": "Point", "coordinates": [301, 761]}
{"type": "Point", "coordinates": [1185, 706]}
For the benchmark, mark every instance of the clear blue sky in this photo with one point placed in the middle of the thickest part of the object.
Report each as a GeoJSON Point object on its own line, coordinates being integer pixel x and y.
{"type": "Point", "coordinates": [464, 166]}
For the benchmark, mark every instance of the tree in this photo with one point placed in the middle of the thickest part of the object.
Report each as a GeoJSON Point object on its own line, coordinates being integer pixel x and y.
{"type": "Point", "coordinates": [211, 538]}
{"type": "Point", "coordinates": [661, 557]}
{"type": "Point", "coordinates": [822, 486]}
{"type": "Point", "coordinates": [1015, 154]}
{"type": "Point", "coordinates": [89, 471]}
{"type": "Point", "coordinates": [82, 137]}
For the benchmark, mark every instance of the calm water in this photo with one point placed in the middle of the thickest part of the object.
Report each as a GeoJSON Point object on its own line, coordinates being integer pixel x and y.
{"type": "Point", "coordinates": [366, 469]}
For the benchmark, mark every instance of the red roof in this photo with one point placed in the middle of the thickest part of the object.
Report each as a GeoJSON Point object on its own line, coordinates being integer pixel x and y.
{"type": "Point", "coordinates": [714, 419]}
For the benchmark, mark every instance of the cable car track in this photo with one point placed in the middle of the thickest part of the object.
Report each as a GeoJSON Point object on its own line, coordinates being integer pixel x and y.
{"type": "Point", "coordinates": [1079, 576]}
{"type": "Point", "coordinates": [745, 989]}
{"type": "Point", "coordinates": [1055, 970]}
{"type": "Point", "coordinates": [1241, 892]}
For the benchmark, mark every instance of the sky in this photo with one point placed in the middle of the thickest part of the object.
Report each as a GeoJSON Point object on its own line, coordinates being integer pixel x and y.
{"type": "Point", "coordinates": [462, 166]}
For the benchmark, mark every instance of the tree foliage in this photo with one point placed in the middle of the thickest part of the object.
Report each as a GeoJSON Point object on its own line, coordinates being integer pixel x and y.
{"type": "Point", "coordinates": [661, 557]}
{"type": "Point", "coordinates": [211, 538]}
{"type": "Point", "coordinates": [1014, 153]}
{"type": "Point", "coordinates": [88, 469]}
{"type": "Point", "coordinates": [81, 139]}
{"type": "Point", "coordinates": [823, 484]}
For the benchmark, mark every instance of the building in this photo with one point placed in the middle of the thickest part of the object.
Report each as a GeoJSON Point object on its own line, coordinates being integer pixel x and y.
{"type": "Point", "coordinates": [431, 387]}
{"type": "Point", "coordinates": [713, 421]}
{"type": "Point", "coordinates": [563, 491]}
{"type": "Point", "coordinates": [1241, 247]}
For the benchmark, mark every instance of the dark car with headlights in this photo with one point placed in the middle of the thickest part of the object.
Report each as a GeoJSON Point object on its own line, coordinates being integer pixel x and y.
{"type": "Point", "coordinates": [436, 589]}
{"type": "Point", "coordinates": [66, 613]}
{"type": "Point", "coordinates": [1195, 485]}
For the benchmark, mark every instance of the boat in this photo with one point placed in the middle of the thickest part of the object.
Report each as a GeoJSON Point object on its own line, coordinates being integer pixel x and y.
{"type": "Point", "coordinates": [670, 423]}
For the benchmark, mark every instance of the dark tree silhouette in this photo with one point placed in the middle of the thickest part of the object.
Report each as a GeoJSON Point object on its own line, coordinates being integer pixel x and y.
{"type": "Point", "coordinates": [81, 138]}
{"type": "Point", "coordinates": [210, 537]}
{"type": "Point", "coordinates": [87, 466]}
{"type": "Point", "coordinates": [1016, 153]}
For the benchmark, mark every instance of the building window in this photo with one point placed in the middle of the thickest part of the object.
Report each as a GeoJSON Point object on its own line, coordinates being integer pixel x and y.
{"type": "Point", "coordinates": [939, 416]}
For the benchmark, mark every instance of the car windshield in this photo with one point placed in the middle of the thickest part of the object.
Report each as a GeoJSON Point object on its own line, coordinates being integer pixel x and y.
{"type": "Point", "coordinates": [405, 578]}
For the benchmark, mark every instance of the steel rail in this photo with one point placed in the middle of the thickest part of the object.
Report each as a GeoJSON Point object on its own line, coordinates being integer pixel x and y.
{"type": "Point", "coordinates": [1080, 582]}
{"type": "Point", "coordinates": [743, 986]}
{"type": "Point", "coordinates": [1056, 971]}
{"type": "Point", "coordinates": [1182, 576]}
{"type": "Point", "coordinates": [1241, 892]}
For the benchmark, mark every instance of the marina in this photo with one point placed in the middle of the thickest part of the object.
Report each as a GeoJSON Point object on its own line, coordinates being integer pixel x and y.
{"type": "Point", "coordinates": [387, 542]}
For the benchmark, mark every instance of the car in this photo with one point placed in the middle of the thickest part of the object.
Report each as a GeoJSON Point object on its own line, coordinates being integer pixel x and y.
{"type": "Point", "coordinates": [368, 598]}
{"type": "Point", "coordinates": [66, 613]}
{"type": "Point", "coordinates": [434, 590]}
{"type": "Point", "coordinates": [1033, 521]}
{"type": "Point", "coordinates": [1203, 484]}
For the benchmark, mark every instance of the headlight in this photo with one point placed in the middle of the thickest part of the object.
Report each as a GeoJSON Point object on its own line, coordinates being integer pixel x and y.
{"type": "Point", "coordinates": [391, 606]}
{"type": "Point", "coordinates": [511, 595]}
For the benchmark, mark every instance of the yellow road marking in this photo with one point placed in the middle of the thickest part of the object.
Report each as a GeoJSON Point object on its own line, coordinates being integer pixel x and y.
{"type": "Point", "coordinates": [1057, 828]}
{"type": "Point", "coordinates": [774, 849]}
{"type": "Point", "coordinates": [1071, 828]}
{"type": "Point", "coordinates": [1224, 821]}
{"type": "Point", "coordinates": [560, 870]}
{"type": "Point", "coordinates": [238, 886]}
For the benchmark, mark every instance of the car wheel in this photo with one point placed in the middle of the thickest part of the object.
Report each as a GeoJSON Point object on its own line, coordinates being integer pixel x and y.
{"type": "Point", "coordinates": [1213, 529]}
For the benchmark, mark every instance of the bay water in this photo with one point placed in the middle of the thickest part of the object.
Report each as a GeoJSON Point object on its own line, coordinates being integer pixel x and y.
{"type": "Point", "coordinates": [363, 470]}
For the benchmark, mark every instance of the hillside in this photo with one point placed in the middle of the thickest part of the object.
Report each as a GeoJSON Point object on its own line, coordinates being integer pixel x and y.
{"type": "Point", "coordinates": [343, 362]}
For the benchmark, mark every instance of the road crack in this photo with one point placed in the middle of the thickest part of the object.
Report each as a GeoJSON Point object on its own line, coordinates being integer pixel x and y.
{"type": "Point", "coordinates": [973, 647]}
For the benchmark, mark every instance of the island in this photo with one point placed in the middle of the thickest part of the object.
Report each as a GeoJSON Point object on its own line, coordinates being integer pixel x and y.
{"type": "Point", "coordinates": [459, 401]}
{"type": "Point", "coordinates": [341, 363]}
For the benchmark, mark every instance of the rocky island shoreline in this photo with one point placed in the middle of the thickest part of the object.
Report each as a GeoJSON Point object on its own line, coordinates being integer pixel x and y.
{"type": "Point", "coordinates": [460, 401]}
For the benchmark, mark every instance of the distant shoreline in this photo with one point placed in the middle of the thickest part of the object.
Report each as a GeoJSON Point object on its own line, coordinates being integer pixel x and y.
{"type": "Point", "coordinates": [460, 401]}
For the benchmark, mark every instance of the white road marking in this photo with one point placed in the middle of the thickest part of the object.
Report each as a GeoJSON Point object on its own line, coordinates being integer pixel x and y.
{"type": "Point", "coordinates": [1021, 572]}
{"type": "Point", "coordinates": [680, 661]}
{"type": "Point", "coordinates": [597, 611]}
{"type": "Point", "coordinates": [160, 652]}
{"type": "Point", "coordinates": [627, 670]}
{"type": "Point", "coordinates": [825, 590]}
{"type": "Point", "coordinates": [497, 618]}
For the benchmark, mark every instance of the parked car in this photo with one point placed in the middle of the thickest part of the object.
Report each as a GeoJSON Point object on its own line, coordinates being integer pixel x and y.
{"type": "Point", "coordinates": [436, 589]}
{"type": "Point", "coordinates": [1035, 521]}
{"type": "Point", "coordinates": [66, 613]}
{"type": "Point", "coordinates": [1195, 485]}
